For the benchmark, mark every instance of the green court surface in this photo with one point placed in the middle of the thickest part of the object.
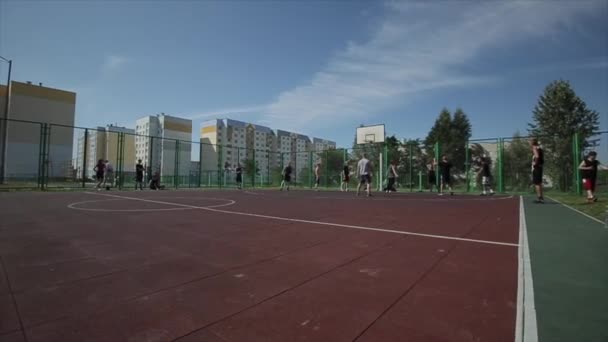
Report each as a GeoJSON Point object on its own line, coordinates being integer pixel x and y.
{"type": "Point", "coordinates": [569, 259]}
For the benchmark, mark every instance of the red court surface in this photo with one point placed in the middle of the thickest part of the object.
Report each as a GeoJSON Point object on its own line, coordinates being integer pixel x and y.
{"type": "Point", "coordinates": [218, 266]}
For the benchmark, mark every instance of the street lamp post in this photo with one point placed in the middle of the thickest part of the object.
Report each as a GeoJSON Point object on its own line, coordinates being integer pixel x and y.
{"type": "Point", "coordinates": [7, 105]}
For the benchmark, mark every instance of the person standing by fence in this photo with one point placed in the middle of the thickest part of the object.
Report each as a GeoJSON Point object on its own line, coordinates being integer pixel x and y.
{"type": "Point", "coordinates": [391, 176]}
{"type": "Point", "coordinates": [99, 173]}
{"type": "Point", "coordinates": [364, 171]}
{"type": "Point", "coordinates": [317, 176]}
{"type": "Point", "coordinates": [445, 167]}
{"type": "Point", "coordinates": [286, 177]}
{"type": "Point", "coordinates": [139, 175]}
{"type": "Point", "coordinates": [432, 176]}
{"type": "Point", "coordinates": [345, 178]}
{"type": "Point", "coordinates": [239, 176]}
{"type": "Point", "coordinates": [588, 169]}
{"type": "Point", "coordinates": [538, 161]}
{"type": "Point", "coordinates": [486, 177]}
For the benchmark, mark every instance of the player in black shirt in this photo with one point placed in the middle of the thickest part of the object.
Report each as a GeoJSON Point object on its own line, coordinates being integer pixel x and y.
{"type": "Point", "coordinates": [345, 178]}
{"type": "Point", "coordinates": [588, 169]}
{"type": "Point", "coordinates": [432, 176]}
{"type": "Point", "coordinates": [538, 161]}
{"type": "Point", "coordinates": [286, 177]}
{"type": "Point", "coordinates": [139, 175]}
{"type": "Point", "coordinates": [444, 174]}
{"type": "Point", "coordinates": [486, 177]}
{"type": "Point", "coordinates": [239, 176]}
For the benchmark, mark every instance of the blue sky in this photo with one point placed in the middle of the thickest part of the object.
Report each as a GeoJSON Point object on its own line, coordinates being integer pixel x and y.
{"type": "Point", "coordinates": [317, 67]}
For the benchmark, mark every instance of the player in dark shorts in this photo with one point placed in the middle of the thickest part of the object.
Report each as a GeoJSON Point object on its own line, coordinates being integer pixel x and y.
{"type": "Point", "coordinates": [99, 172]}
{"type": "Point", "coordinates": [391, 177]}
{"type": "Point", "coordinates": [588, 169]}
{"type": "Point", "coordinates": [486, 177]}
{"type": "Point", "coordinates": [239, 176]}
{"type": "Point", "coordinates": [432, 175]}
{"type": "Point", "coordinates": [317, 176]}
{"type": "Point", "coordinates": [139, 175]}
{"type": "Point", "coordinates": [364, 169]}
{"type": "Point", "coordinates": [444, 174]}
{"type": "Point", "coordinates": [538, 161]}
{"type": "Point", "coordinates": [286, 177]}
{"type": "Point", "coordinates": [345, 178]}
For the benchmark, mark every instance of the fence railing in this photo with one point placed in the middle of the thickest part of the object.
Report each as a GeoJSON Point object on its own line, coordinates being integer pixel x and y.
{"type": "Point", "coordinates": [52, 156]}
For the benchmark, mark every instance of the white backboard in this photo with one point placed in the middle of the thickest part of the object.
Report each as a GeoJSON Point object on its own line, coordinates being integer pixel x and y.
{"type": "Point", "coordinates": [370, 134]}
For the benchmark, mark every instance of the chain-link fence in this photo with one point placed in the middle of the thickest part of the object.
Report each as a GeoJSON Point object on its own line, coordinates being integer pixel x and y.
{"type": "Point", "coordinates": [48, 156]}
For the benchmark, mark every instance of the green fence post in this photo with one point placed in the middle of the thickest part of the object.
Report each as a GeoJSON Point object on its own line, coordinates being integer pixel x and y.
{"type": "Point", "coordinates": [467, 167]}
{"type": "Point", "coordinates": [501, 174]}
{"type": "Point", "coordinates": [419, 181]}
{"type": "Point", "coordinates": [310, 169]}
{"type": "Point", "coordinates": [255, 167]}
{"type": "Point", "coordinates": [84, 157]}
{"type": "Point", "coordinates": [200, 164]}
{"type": "Point", "coordinates": [411, 161]}
{"type": "Point", "coordinates": [150, 170]}
{"type": "Point", "coordinates": [326, 168]}
{"type": "Point", "coordinates": [41, 153]}
{"type": "Point", "coordinates": [176, 165]}
{"type": "Point", "coordinates": [220, 173]}
{"type": "Point", "coordinates": [385, 161]}
{"type": "Point", "coordinates": [121, 159]}
{"type": "Point", "coordinates": [45, 164]}
{"type": "Point", "coordinates": [576, 160]}
{"type": "Point", "coordinates": [437, 160]}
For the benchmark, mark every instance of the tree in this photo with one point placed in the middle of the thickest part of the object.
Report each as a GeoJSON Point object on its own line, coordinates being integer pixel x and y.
{"type": "Point", "coordinates": [516, 164]}
{"type": "Point", "coordinates": [250, 169]}
{"type": "Point", "coordinates": [559, 114]}
{"type": "Point", "coordinates": [418, 161]}
{"type": "Point", "coordinates": [452, 134]}
{"type": "Point", "coordinates": [440, 132]}
{"type": "Point", "coordinates": [460, 133]}
{"type": "Point", "coordinates": [392, 146]}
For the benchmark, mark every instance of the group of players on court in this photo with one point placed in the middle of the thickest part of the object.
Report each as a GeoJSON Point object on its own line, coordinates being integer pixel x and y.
{"type": "Point", "coordinates": [588, 169]}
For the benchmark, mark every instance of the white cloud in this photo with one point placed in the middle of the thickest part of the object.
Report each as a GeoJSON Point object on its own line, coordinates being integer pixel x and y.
{"type": "Point", "coordinates": [418, 47]}
{"type": "Point", "coordinates": [224, 112]}
{"type": "Point", "coordinates": [113, 62]}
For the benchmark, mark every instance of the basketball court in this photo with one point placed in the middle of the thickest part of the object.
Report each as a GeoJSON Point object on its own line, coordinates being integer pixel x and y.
{"type": "Point", "coordinates": [260, 266]}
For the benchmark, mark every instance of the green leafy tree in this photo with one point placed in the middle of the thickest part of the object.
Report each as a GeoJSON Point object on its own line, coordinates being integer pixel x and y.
{"type": "Point", "coordinates": [460, 133]}
{"type": "Point", "coordinates": [418, 161]}
{"type": "Point", "coordinates": [516, 164]}
{"type": "Point", "coordinates": [250, 168]}
{"type": "Point", "coordinates": [334, 163]}
{"type": "Point", "coordinates": [559, 114]}
{"type": "Point", "coordinates": [452, 133]}
{"type": "Point", "coordinates": [440, 132]}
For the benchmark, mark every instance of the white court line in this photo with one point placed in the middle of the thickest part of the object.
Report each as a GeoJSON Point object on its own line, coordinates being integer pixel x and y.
{"type": "Point", "coordinates": [578, 211]}
{"type": "Point", "coordinates": [526, 329]}
{"type": "Point", "coordinates": [75, 205]}
{"type": "Point", "coordinates": [315, 222]}
{"type": "Point", "coordinates": [403, 198]}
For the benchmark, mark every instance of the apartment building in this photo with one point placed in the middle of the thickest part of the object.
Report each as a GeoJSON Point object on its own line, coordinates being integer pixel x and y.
{"type": "Point", "coordinates": [320, 145]}
{"type": "Point", "coordinates": [163, 143]}
{"type": "Point", "coordinates": [103, 143]}
{"type": "Point", "coordinates": [37, 103]}
{"type": "Point", "coordinates": [227, 143]}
